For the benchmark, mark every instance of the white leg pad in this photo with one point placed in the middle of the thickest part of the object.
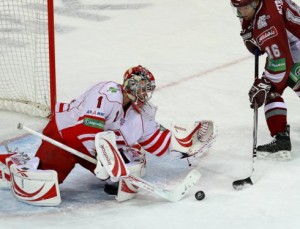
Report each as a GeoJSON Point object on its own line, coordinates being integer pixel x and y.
{"type": "Point", "coordinates": [109, 156]}
{"type": "Point", "coordinates": [127, 190]}
{"type": "Point", "coordinates": [34, 187]}
{"type": "Point", "coordinates": [4, 176]}
{"type": "Point", "coordinates": [4, 171]}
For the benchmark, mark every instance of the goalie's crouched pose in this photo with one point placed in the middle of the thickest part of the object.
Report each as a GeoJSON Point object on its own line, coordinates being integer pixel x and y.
{"type": "Point", "coordinates": [124, 109]}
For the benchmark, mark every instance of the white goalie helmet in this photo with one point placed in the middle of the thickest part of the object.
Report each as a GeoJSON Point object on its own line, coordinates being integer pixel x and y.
{"type": "Point", "coordinates": [139, 84]}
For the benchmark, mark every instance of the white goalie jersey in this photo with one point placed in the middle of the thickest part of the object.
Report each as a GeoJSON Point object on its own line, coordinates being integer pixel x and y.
{"type": "Point", "coordinates": [100, 109]}
{"type": "Point", "coordinates": [142, 128]}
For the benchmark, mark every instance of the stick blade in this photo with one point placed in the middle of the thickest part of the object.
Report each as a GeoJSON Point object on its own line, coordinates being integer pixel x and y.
{"type": "Point", "coordinates": [185, 186]}
{"type": "Point", "coordinates": [171, 195]}
{"type": "Point", "coordinates": [242, 184]}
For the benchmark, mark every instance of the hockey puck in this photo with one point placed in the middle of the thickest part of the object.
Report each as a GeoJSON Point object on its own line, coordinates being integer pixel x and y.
{"type": "Point", "coordinates": [200, 195]}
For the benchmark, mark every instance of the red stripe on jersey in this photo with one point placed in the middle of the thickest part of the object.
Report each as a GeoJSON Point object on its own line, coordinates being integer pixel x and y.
{"type": "Point", "coordinates": [158, 142]}
{"type": "Point", "coordinates": [137, 147]}
{"type": "Point", "coordinates": [61, 107]}
{"type": "Point", "coordinates": [120, 139]}
{"type": "Point", "coordinates": [165, 149]}
{"type": "Point", "coordinates": [117, 133]}
{"type": "Point", "coordinates": [88, 138]}
{"type": "Point", "coordinates": [150, 139]}
{"type": "Point", "coordinates": [117, 114]}
{"type": "Point", "coordinates": [83, 129]}
{"type": "Point", "coordinates": [121, 143]}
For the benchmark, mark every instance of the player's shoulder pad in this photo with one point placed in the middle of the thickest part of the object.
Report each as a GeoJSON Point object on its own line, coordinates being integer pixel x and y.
{"type": "Point", "coordinates": [112, 91]}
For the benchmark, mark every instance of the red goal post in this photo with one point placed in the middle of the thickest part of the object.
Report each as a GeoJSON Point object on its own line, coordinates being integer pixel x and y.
{"type": "Point", "coordinates": [27, 57]}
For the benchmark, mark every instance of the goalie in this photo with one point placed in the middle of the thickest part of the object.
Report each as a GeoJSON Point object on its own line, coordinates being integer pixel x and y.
{"type": "Point", "coordinates": [108, 106]}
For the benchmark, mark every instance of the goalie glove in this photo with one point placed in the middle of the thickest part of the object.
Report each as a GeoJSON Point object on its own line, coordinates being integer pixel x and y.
{"type": "Point", "coordinates": [193, 140]}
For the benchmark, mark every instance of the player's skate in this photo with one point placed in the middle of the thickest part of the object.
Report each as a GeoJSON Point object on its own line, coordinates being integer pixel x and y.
{"type": "Point", "coordinates": [279, 149]}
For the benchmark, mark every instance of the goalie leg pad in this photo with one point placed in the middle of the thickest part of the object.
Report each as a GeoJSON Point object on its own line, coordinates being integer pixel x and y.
{"type": "Point", "coordinates": [109, 156]}
{"type": "Point", "coordinates": [4, 172]}
{"type": "Point", "coordinates": [31, 186]}
{"type": "Point", "coordinates": [100, 171]}
{"type": "Point", "coordinates": [126, 189]}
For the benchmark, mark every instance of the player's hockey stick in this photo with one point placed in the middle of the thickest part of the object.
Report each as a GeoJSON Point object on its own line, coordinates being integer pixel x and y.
{"type": "Point", "coordinates": [173, 195]}
{"type": "Point", "coordinates": [241, 184]}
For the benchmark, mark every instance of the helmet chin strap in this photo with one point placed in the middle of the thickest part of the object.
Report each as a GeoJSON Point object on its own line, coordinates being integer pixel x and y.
{"type": "Point", "coordinates": [131, 97]}
{"type": "Point", "coordinates": [133, 101]}
{"type": "Point", "coordinates": [135, 107]}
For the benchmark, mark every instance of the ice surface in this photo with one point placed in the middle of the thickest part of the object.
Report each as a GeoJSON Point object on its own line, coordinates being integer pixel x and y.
{"type": "Point", "coordinates": [203, 71]}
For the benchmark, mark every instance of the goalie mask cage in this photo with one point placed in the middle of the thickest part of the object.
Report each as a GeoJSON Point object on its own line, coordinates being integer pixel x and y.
{"type": "Point", "coordinates": [27, 58]}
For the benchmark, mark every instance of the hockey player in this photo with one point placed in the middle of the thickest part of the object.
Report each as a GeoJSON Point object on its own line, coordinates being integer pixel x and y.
{"type": "Point", "coordinates": [273, 26]}
{"type": "Point", "coordinates": [124, 109]}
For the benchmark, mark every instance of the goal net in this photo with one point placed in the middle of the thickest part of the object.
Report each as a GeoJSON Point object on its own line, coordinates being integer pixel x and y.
{"type": "Point", "coordinates": [27, 60]}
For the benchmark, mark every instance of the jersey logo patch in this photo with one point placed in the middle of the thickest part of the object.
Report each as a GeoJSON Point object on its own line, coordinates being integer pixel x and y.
{"type": "Point", "coordinates": [262, 21]}
{"type": "Point", "coordinates": [113, 89]}
{"type": "Point", "coordinates": [95, 113]}
{"type": "Point", "coordinates": [93, 123]}
{"type": "Point", "coordinates": [266, 35]}
{"type": "Point", "coordinates": [278, 65]}
{"type": "Point", "coordinates": [279, 4]}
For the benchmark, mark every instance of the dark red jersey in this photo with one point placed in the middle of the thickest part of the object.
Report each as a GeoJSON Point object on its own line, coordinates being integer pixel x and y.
{"type": "Point", "coordinates": [276, 31]}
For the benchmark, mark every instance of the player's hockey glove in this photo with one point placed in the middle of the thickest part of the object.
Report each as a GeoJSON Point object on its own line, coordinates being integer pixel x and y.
{"type": "Point", "coordinates": [259, 91]}
{"type": "Point", "coordinates": [247, 35]}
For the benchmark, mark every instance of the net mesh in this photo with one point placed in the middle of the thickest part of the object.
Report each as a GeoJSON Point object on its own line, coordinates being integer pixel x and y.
{"type": "Point", "coordinates": [24, 56]}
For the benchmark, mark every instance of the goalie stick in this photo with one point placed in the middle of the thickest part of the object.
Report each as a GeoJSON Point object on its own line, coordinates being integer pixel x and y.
{"type": "Point", "coordinates": [243, 183]}
{"type": "Point", "coordinates": [173, 195]}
